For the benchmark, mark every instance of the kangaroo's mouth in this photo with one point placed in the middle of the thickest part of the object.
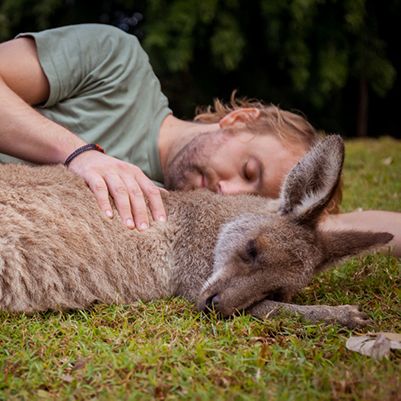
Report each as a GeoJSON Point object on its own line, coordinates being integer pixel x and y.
{"type": "Point", "coordinates": [216, 302]}
{"type": "Point", "coordinates": [276, 295]}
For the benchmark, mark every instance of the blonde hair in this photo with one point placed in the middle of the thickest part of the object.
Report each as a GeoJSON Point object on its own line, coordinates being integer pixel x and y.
{"type": "Point", "coordinates": [290, 127]}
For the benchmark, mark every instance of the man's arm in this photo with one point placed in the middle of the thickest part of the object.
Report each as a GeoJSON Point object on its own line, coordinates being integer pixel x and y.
{"type": "Point", "coordinates": [26, 134]}
{"type": "Point", "coordinates": [369, 220]}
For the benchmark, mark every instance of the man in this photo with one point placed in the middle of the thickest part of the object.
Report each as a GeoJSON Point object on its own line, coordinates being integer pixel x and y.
{"type": "Point", "coordinates": [93, 84]}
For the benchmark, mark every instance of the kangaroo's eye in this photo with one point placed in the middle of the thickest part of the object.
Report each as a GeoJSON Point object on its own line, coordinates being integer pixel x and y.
{"type": "Point", "coordinates": [250, 253]}
{"type": "Point", "coordinates": [251, 249]}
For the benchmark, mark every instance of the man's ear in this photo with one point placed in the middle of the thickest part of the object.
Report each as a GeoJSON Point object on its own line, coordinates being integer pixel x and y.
{"type": "Point", "coordinates": [239, 117]}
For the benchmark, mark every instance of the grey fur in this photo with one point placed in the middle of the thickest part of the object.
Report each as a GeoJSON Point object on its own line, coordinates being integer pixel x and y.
{"type": "Point", "coordinates": [235, 253]}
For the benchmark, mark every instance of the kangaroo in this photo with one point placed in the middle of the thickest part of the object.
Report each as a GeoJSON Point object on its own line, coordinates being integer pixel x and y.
{"type": "Point", "coordinates": [233, 253]}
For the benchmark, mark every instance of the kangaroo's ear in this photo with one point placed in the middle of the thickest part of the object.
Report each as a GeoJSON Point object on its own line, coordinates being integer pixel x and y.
{"type": "Point", "coordinates": [338, 245]}
{"type": "Point", "coordinates": [311, 184]}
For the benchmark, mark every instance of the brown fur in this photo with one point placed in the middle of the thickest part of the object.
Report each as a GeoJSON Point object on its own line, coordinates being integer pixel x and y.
{"type": "Point", "coordinates": [58, 252]}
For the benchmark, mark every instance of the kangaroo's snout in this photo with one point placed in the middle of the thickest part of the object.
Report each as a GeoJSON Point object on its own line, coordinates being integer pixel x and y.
{"type": "Point", "coordinates": [211, 303]}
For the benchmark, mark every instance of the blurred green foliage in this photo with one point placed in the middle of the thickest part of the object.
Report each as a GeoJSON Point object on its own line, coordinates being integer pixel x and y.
{"type": "Point", "coordinates": [311, 55]}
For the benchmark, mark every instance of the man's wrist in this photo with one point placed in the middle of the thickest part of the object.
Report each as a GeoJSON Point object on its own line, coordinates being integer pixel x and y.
{"type": "Point", "coordinates": [82, 149]}
{"type": "Point", "coordinates": [64, 147]}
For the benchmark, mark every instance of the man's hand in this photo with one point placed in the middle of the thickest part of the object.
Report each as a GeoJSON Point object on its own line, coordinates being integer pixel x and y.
{"type": "Point", "coordinates": [125, 183]}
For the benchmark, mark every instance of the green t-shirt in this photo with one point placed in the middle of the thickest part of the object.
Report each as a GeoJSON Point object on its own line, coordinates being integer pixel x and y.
{"type": "Point", "coordinates": [103, 89]}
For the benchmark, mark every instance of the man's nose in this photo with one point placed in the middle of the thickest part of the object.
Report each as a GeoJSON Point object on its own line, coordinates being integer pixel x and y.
{"type": "Point", "coordinates": [231, 187]}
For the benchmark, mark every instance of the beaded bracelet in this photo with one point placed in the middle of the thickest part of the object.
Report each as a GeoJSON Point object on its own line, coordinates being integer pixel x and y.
{"type": "Point", "coordinates": [82, 149]}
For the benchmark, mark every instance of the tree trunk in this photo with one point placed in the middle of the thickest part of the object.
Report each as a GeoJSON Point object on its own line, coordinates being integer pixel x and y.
{"type": "Point", "coordinates": [362, 117]}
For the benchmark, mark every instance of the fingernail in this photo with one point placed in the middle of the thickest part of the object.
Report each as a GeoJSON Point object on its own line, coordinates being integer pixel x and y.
{"type": "Point", "coordinates": [162, 218]}
{"type": "Point", "coordinates": [109, 213]}
{"type": "Point", "coordinates": [130, 223]}
{"type": "Point", "coordinates": [143, 226]}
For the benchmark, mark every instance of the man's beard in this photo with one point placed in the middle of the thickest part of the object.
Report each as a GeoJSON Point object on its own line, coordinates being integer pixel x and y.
{"type": "Point", "coordinates": [192, 161]}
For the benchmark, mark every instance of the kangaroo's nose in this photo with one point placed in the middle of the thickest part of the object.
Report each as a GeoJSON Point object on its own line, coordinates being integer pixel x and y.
{"type": "Point", "coordinates": [212, 301]}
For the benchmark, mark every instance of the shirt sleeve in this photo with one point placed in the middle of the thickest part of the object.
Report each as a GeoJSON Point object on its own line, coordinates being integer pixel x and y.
{"type": "Point", "coordinates": [79, 58]}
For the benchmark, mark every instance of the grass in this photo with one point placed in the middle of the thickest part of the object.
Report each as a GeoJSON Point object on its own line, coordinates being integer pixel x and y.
{"type": "Point", "coordinates": [165, 350]}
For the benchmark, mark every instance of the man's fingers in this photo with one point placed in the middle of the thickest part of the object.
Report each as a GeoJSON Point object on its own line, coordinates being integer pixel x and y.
{"type": "Point", "coordinates": [126, 183]}
{"type": "Point", "coordinates": [138, 204]}
{"type": "Point", "coordinates": [119, 191]}
{"type": "Point", "coordinates": [99, 188]}
{"type": "Point", "coordinates": [152, 192]}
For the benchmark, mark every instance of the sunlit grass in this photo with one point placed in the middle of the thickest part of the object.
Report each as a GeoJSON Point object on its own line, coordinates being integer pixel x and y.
{"type": "Point", "coordinates": [166, 350]}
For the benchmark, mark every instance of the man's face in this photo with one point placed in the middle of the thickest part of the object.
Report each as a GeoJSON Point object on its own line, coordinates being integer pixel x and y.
{"type": "Point", "coordinates": [231, 163]}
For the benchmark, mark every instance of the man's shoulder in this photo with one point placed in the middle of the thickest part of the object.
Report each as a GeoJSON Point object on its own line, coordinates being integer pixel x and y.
{"type": "Point", "coordinates": [89, 32]}
{"type": "Point", "coordinates": [95, 29]}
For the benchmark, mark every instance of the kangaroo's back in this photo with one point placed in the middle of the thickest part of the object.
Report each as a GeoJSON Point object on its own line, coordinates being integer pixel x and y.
{"type": "Point", "coordinates": [57, 250]}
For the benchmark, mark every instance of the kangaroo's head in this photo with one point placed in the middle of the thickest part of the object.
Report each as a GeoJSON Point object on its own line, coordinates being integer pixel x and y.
{"type": "Point", "coordinates": [273, 257]}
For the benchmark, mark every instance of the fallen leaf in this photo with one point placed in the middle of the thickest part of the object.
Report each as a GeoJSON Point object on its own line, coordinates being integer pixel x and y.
{"type": "Point", "coordinates": [395, 345]}
{"type": "Point", "coordinates": [391, 336]}
{"type": "Point", "coordinates": [375, 345]}
{"type": "Point", "coordinates": [395, 338]}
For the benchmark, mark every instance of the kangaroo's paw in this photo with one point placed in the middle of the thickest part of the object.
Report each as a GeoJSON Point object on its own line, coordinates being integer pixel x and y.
{"type": "Point", "coordinates": [347, 315]}
{"type": "Point", "coordinates": [351, 316]}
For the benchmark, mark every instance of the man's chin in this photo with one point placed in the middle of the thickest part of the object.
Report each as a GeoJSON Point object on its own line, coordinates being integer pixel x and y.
{"type": "Point", "coordinates": [187, 183]}
{"type": "Point", "coordinates": [178, 185]}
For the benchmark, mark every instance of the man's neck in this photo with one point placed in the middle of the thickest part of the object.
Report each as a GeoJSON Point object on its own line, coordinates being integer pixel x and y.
{"type": "Point", "coordinates": [175, 134]}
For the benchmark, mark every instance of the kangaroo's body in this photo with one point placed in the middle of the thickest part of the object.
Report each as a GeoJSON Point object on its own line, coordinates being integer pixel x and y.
{"type": "Point", "coordinates": [57, 251]}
